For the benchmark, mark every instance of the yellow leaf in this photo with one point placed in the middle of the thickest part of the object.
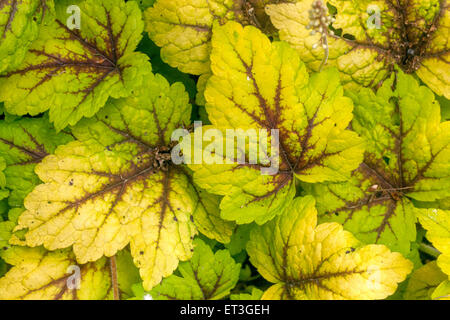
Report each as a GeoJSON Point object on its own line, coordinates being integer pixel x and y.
{"type": "Point", "coordinates": [310, 261]}
{"type": "Point", "coordinates": [368, 39]}
{"type": "Point", "coordinates": [424, 281]}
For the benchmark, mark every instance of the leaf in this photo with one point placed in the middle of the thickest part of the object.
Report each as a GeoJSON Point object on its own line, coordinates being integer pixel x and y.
{"type": "Point", "coordinates": [73, 72]}
{"type": "Point", "coordinates": [445, 107]}
{"type": "Point", "coordinates": [407, 158]}
{"type": "Point", "coordinates": [207, 217]}
{"type": "Point", "coordinates": [23, 144]}
{"type": "Point", "coordinates": [183, 30]}
{"type": "Point", "coordinates": [437, 224]}
{"type": "Point", "coordinates": [144, 4]}
{"type": "Point", "coordinates": [38, 274]}
{"type": "Point", "coordinates": [7, 234]}
{"type": "Point", "coordinates": [259, 85]}
{"type": "Point", "coordinates": [207, 276]}
{"type": "Point", "coordinates": [309, 261]}
{"type": "Point", "coordinates": [19, 24]}
{"type": "Point", "coordinates": [158, 66]}
{"type": "Point", "coordinates": [424, 281]}
{"type": "Point", "coordinates": [371, 38]}
{"type": "Point", "coordinates": [116, 185]}
{"type": "Point", "coordinates": [239, 239]}
{"type": "Point", "coordinates": [4, 193]}
{"type": "Point", "coordinates": [256, 15]}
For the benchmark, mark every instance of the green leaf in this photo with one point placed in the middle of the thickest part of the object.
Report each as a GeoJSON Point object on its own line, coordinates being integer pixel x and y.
{"type": "Point", "coordinates": [259, 85]}
{"type": "Point", "coordinates": [309, 261]}
{"type": "Point", "coordinates": [371, 38]}
{"type": "Point", "coordinates": [116, 185]}
{"type": "Point", "coordinates": [207, 217]}
{"type": "Point", "coordinates": [407, 158]}
{"type": "Point", "coordinates": [4, 193]}
{"type": "Point", "coordinates": [207, 276]}
{"type": "Point", "coordinates": [73, 72]}
{"type": "Point", "coordinates": [445, 107]}
{"type": "Point", "coordinates": [239, 239]}
{"type": "Point", "coordinates": [144, 4]}
{"type": "Point", "coordinates": [158, 66]}
{"type": "Point", "coordinates": [23, 144]}
{"type": "Point", "coordinates": [255, 294]}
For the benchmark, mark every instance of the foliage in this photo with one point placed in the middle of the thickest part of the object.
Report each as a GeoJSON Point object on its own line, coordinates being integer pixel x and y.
{"type": "Point", "coordinates": [342, 185]}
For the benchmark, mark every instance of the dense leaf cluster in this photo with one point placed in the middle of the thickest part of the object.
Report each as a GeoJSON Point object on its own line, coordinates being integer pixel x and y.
{"type": "Point", "coordinates": [94, 206]}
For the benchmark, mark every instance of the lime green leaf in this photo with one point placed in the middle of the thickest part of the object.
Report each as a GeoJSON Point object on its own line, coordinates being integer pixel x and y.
{"type": "Point", "coordinates": [138, 292]}
{"type": "Point", "coordinates": [144, 4]}
{"type": "Point", "coordinates": [407, 157]}
{"type": "Point", "coordinates": [442, 292]}
{"type": "Point", "coordinates": [73, 72]}
{"type": "Point", "coordinates": [116, 185]}
{"type": "Point", "coordinates": [424, 281]}
{"type": "Point", "coordinates": [41, 275]}
{"type": "Point", "coordinates": [7, 234]}
{"type": "Point", "coordinates": [207, 276]}
{"type": "Point", "coordinates": [445, 107]}
{"type": "Point", "coordinates": [259, 85]}
{"type": "Point", "coordinates": [437, 224]}
{"type": "Point", "coordinates": [23, 144]}
{"type": "Point", "coordinates": [371, 37]}
{"type": "Point", "coordinates": [172, 75]}
{"type": "Point", "coordinates": [201, 87]}
{"type": "Point", "coordinates": [19, 25]}
{"type": "Point", "coordinates": [309, 261]}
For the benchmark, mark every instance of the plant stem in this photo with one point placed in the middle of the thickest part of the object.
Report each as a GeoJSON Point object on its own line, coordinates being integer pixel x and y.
{"type": "Point", "coordinates": [430, 250]}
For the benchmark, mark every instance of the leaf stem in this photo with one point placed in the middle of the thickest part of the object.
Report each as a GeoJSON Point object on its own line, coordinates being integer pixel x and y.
{"type": "Point", "coordinates": [430, 250]}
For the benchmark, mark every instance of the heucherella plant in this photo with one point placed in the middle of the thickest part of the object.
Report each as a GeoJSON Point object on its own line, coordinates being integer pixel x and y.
{"type": "Point", "coordinates": [309, 261]}
{"type": "Point", "coordinates": [224, 149]}
{"type": "Point", "coordinates": [406, 159]}
{"type": "Point", "coordinates": [259, 84]}
{"type": "Point", "coordinates": [366, 39]}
